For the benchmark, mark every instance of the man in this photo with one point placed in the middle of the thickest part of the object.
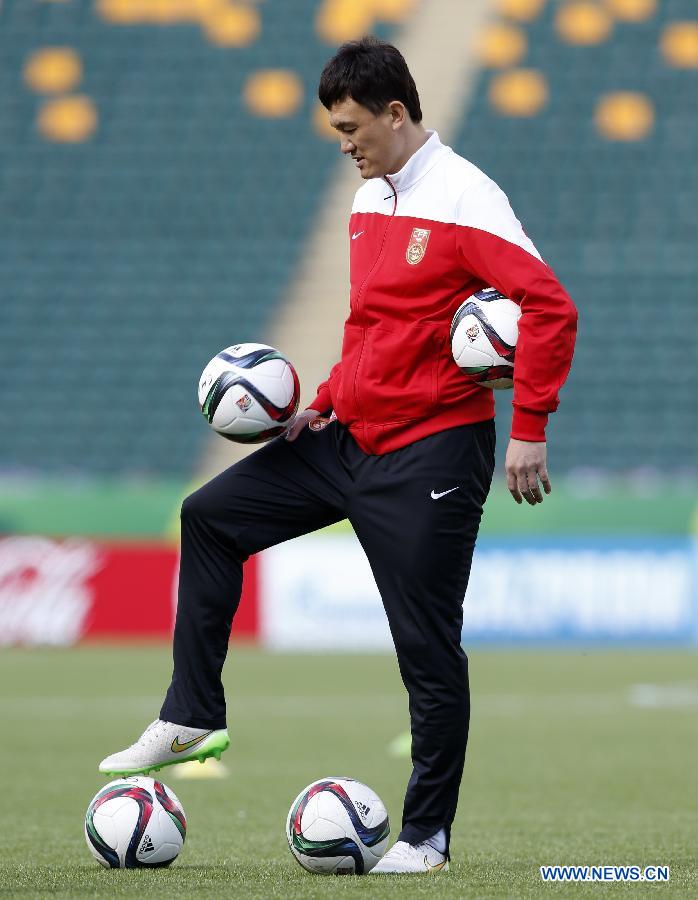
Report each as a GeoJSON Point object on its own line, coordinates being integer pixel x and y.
{"type": "Point", "coordinates": [399, 442]}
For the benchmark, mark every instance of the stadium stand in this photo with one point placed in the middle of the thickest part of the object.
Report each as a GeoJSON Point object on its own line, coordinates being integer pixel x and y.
{"type": "Point", "coordinates": [585, 114]}
{"type": "Point", "coordinates": [162, 162]}
{"type": "Point", "coordinates": [159, 171]}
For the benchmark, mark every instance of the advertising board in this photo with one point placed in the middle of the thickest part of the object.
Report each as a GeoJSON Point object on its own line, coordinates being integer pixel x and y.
{"type": "Point", "coordinates": [615, 591]}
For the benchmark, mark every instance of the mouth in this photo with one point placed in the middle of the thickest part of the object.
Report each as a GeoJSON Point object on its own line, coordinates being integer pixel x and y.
{"type": "Point", "coordinates": [358, 160]}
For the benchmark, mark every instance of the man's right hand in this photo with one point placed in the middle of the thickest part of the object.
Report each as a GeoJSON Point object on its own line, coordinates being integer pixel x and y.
{"type": "Point", "coordinates": [299, 423]}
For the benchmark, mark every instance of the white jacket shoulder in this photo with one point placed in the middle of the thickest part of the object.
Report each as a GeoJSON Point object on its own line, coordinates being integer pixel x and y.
{"type": "Point", "coordinates": [482, 204]}
{"type": "Point", "coordinates": [461, 173]}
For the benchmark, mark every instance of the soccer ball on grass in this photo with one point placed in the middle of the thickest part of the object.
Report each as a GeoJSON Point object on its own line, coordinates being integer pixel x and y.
{"type": "Point", "coordinates": [337, 826]}
{"type": "Point", "coordinates": [135, 823]}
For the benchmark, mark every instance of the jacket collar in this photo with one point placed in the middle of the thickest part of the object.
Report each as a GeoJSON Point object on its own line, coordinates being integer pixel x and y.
{"type": "Point", "coordinates": [419, 163]}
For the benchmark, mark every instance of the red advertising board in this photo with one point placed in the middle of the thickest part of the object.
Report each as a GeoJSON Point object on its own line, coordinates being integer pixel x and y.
{"type": "Point", "coordinates": [62, 591]}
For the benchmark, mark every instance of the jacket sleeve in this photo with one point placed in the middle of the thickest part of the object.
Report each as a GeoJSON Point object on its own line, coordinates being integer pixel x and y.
{"type": "Point", "coordinates": [494, 248]}
{"type": "Point", "coordinates": [323, 401]}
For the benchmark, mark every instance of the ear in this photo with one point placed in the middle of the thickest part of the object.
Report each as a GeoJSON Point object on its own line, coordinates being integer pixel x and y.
{"type": "Point", "coordinates": [398, 114]}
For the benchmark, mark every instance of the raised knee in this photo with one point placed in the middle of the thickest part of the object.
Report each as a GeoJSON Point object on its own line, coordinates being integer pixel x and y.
{"type": "Point", "coordinates": [197, 506]}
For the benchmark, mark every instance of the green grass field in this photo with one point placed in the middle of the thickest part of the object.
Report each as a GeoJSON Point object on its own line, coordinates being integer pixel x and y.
{"type": "Point", "coordinates": [569, 762]}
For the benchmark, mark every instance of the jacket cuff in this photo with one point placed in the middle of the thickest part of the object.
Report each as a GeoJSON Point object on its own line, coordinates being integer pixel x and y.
{"type": "Point", "coordinates": [323, 401]}
{"type": "Point", "coordinates": [528, 425]}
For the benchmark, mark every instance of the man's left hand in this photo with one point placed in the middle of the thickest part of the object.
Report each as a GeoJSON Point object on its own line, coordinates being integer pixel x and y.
{"type": "Point", "coordinates": [526, 463]}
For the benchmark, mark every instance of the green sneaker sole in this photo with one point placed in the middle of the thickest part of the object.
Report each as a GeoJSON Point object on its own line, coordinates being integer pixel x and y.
{"type": "Point", "coordinates": [211, 748]}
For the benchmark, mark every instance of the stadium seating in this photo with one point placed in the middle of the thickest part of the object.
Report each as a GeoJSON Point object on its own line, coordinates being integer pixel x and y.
{"type": "Point", "coordinates": [601, 171]}
{"type": "Point", "coordinates": [160, 171]}
{"type": "Point", "coordinates": [162, 162]}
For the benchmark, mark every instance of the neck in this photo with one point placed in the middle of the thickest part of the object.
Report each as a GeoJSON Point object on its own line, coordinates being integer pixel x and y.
{"type": "Point", "coordinates": [415, 137]}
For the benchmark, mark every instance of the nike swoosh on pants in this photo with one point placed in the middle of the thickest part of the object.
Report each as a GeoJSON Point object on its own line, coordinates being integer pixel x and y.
{"type": "Point", "coordinates": [435, 496]}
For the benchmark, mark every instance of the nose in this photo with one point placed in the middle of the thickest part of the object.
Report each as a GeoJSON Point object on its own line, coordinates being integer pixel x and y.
{"type": "Point", "coordinates": [346, 146]}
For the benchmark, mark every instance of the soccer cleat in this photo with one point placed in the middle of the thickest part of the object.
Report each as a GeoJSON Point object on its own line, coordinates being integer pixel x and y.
{"type": "Point", "coordinates": [164, 744]}
{"type": "Point", "coordinates": [411, 858]}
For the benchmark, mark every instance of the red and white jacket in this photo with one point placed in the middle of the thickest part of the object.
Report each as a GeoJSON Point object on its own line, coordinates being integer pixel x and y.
{"type": "Point", "coordinates": [421, 242]}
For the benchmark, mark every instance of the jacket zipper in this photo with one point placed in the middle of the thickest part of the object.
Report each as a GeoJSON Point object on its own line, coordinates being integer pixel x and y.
{"type": "Point", "coordinates": [359, 296]}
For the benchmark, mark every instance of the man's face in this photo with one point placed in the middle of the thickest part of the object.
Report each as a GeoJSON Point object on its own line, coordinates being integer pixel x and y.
{"type": "Point", "coordinates": [372, 141]}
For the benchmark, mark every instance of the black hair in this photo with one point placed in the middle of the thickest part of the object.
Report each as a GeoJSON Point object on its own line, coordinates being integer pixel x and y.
{"type": "Point", "coordinates": [371, 72]}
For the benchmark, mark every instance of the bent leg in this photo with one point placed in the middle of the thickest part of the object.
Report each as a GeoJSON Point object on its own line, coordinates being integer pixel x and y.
{"type": "Point", "coordinates": [283, 490]}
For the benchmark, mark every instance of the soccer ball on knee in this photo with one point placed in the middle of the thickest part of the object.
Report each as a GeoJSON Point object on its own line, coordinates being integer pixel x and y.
{"type": "Point", "coordinates": [249, 393]}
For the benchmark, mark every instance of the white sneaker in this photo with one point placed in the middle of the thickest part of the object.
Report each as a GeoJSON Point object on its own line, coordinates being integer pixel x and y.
{"type": "Point", "coordinates": [164, 744]}
{"type": "Point", "coordinates": [404, 857]}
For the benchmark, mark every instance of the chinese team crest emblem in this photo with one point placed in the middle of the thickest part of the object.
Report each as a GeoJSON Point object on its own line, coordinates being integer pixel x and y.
{"type": "Point", "coordinates": [418, 245]}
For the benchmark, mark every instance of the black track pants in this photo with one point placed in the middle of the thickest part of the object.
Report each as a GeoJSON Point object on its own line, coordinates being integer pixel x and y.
{"type": "Point", "coordinates": [416, 512]}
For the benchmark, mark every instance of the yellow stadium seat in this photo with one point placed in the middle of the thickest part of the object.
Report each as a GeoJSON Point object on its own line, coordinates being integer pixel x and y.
{"type": "Point", "coordinates": [583, 23]}
{"type": "Point", "coordinates": [232, 26]}
{"type": "Point", "coordinates": [202, 9]}
{"type": "Point", "coordinates": [632, 10]}
{"type": "Point", "coordinates": [273, 93]}
{"type": "Point", "coordinates": [502, 45]}
{"type": "Point", "coordinates": [679, 45]}
{"type": "Point", "coordinates": [624, 116]}
{"type": "Point", "coordinates": [53, 70]}
{"type": "Point", "coordinates": [519, 93]}
{"type": "Point", "coordinates": [521, 10]}
{"type": "Point", "coordinates": [120, 12]}
{"type": "Point", "coordinates": [166, 12]}
{"type": "Point", "coordinates": [343, 20]}
{"type": "Point", "coordinates": [68, 120]}
{"type": "Point", "coordinates": [393, 10]}
{"type": "Point", "coordinates": [225, 23]}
